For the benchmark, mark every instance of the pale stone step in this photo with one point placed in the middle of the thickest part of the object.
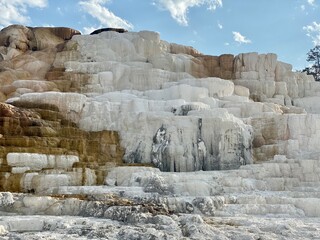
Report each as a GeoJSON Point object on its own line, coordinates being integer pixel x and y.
{"type": "Point", "coordinates": [281, 183]}
{"type": "Point", "coordinates": [279, 169]}
{"type": "Point", "coordinates": [242, 172]}
{"type": "Point", "coordinates": [309, 184]}
{"type": "Point", "coordinates": [311, 177]}
{"type": "Point", "coordinates": [284, 160]}
{"type": "Point", "coordinates": [96, 190]}
{"type": "Point", "coordinates": [268, 183]}
{"type": "Point", "coordinates": [23, 224]}
{"type": "Point", "coordinates": [308, 202]}
{"type": "Point", "coordinates": [270, 198]}
{"type": "Point", "coordinates": [304, 194]}
{"type": "Point", "coordinates": [275, 195]}
{"type": "Point", "coordinates": [305, 189]}
{"type": "Point", "coordinates": [261, 210]}
{"type": "Point", "coordinates": [41, 182]}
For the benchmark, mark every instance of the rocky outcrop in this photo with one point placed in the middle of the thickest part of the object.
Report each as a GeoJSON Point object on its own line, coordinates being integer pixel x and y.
{"type": "Point", "coordinates": [119, 85]}
{"type": "Point", "coordinates": [227, 144]}
{"type": "Point", "coordinates": [144, 202]}
{"type": "Point", "coordinates": [224, 68]}
{"type": "Point", "coordinates": [18, 38]}
{"type": "Point", "coordinates": [28, 54]}
{"type": "Point", "coordinates": [88, 110]}
{"type": "Point", "coordinates": [254, 189]}
{"type": "Point", "coordinates": [39, 148]}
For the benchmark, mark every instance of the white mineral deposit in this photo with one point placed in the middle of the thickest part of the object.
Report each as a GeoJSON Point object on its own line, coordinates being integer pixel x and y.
{"type": "Point", "coordinates": [122, 135]}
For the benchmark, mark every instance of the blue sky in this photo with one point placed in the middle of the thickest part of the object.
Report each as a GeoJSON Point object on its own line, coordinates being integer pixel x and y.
{"type": "Point", "coordinates": [288, 28]}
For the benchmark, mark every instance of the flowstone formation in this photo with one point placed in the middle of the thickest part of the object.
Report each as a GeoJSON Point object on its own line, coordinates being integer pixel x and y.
{"type": "Point", "coordinates": [133, 137]}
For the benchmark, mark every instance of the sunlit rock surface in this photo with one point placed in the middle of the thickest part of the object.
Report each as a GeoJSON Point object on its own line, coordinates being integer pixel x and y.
{"type": "Point", "coordinates": [125, 133]}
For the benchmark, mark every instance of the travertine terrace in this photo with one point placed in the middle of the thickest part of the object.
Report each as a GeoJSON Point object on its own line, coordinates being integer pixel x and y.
{"type": "Point", "coordinates": [122, 135]}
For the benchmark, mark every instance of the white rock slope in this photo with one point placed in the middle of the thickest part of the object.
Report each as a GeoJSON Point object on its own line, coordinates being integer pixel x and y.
{"type": "Point", "coordinates": [260, 127]}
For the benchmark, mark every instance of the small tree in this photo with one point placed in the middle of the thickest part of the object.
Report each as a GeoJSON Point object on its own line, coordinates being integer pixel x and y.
{"type": "Point", "coordinates": [314, 56]}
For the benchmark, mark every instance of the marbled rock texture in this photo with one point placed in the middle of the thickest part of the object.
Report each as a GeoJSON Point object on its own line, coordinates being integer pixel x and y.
{"type": "Point", "coordinates": [78, 107]}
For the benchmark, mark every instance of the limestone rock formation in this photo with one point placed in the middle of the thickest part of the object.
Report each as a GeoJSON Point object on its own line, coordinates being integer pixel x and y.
{"type": "Point", "coordinates": [39, 149]}
{"type": "Point", "coordinates": [150, 123]}
{"type": "Point", "coordinates": [140, 81]}
{"type": "Point", "coordinates": [23, 38]}
{"type": "Point", "coordinates": [28, 54]}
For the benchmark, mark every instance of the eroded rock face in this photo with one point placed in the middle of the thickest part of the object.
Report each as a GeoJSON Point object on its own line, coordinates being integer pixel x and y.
{"type": "Point", "coordinates": [132, 81]}
{"type": "Point", "coordinates": [85, 107]}
{"type": "Point", "coordinates": [137, 84]}
{"type": "Point", "coordinates": [28, 54]}
{"type": "Point", "coordinates": [197, 138]}
{"type": "Point", "coordinates": [16, 37]}
{"type": "Point", "coordinates": [24, 38]}
{"type": "Point", "coordinates": [46, 37]}
{"type": "Point", "coordinates": [40, 149]}
{"type": "Point", "coordinates": [270, 80]}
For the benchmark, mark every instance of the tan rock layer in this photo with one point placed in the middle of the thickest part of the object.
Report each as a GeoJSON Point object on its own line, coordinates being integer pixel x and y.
{"type": "Point", "coordinates": [41, 129]}
{"type": "Point", "coordinates": [28, 53]}
{"type": "Point", "coordinates": [28, 38]}
{"type": "Point", "coordinates": [217, 66]}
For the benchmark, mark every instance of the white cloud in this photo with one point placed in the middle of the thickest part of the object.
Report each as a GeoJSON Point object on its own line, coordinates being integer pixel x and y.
{"type": "Point", "coordinates": [313, 31]}
{"type": "Point", "coordinates": [240, 38]}
{"type": "Point", "coordinates": [59, 10]}
{"type": "Point", "coordinates": [15, 11]}
{"type": "Point", "coordinates": [220, 25]}
{"type": "Point", "coordinates": [303, 7]}
{"type": "Point", "coordinates": [106, 18]}
{"type": "Point", "coordinates": [179, 8]}
{"type": "Point", "coordinates": [311, 2]}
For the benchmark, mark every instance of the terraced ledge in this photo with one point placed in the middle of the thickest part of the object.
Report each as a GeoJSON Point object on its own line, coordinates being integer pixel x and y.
{"type": "Point", "coordinates": [40, 149]}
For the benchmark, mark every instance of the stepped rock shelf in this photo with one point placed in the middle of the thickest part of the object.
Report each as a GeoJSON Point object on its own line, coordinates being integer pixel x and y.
{"type": "Point", "coordinates": [121, 135]}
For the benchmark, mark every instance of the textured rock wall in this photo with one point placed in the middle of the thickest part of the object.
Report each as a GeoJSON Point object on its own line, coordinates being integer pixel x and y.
{"type": "Point", "coordinates": [270, 80]}
{"type": "Point", "coordinates": [141, 61]}
{"type": "Point", "coordinates": [39, 149]}
{"type": "Point", "coordinates": [27, 55]}
{"type": "Point", "coordinates": [215, 66]}
{"type": "Point", "coordinates": [166, 100]}
{"type": "Point", "coordinates": [86, 105]}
